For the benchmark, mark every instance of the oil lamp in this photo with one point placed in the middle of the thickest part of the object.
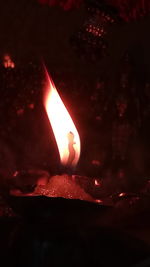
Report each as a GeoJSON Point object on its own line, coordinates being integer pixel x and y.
{"type": "Point", "coordinates": [64, 184]}
{"type": "Point", "coordinates": [68, 142]}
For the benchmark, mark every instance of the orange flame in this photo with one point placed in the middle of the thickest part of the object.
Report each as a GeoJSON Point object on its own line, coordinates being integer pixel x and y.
{"type": "Point", "coordinates": [65, 132]}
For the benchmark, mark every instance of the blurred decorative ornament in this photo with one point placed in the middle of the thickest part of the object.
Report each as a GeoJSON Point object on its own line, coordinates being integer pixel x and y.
{"type": "Point", "coordinates": [89, 41]}
{"type": "Point", "coordinates": [7, 62]}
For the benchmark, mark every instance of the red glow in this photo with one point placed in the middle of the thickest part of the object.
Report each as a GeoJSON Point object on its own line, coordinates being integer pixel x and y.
{"type": "Point", "coordinates": [96, 162]}
{"type": "Point", "coordinates": [15, 173]}
{"type": "Point", "coordinates": [7, 62]}
{"type": "Point", "coordinates": [31, 106]}
{"type": "Point", "coordinates": [98, 201]}
{"type": "Point", "coordinates": [20, 111]}
{"type": "Point", "coordinates": [97, 183]}
{"type": "Point", "coordinates": [63, 186]}
{"type": "Point", "coordinates": [122, 194]}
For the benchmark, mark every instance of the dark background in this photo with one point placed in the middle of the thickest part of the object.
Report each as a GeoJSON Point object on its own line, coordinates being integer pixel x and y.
{"type": "Point", "coordinates": [31, 32]}
{"type": "Point", "coordinates": [28, 29]}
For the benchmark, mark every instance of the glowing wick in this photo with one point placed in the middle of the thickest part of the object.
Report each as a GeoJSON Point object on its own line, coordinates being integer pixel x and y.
{"type": "Point", "coordinates": [71, 149]}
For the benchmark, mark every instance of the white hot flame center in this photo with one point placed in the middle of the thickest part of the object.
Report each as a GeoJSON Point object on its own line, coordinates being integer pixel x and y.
{"type": "Point", "coordinates": [65, 132]}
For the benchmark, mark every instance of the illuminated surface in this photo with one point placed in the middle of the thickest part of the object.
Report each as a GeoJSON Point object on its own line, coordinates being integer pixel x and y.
{"type": "Point", "coordinates": [63, 186]}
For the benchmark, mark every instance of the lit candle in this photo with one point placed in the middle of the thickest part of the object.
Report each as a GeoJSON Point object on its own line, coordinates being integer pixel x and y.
{"type": "Point", "coordinates": [65, 132]}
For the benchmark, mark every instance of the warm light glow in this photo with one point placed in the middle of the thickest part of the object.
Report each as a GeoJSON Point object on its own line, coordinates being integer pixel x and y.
{"type": "Point", "coordinates": [7, 62]}
{"type": "Point", "coordinates": [97, 183]}
{"type": "Point", "coordinates": [122, 194]}
{"type": "Point", "coordinates": [65, 132]}
{"type": "Point", "coordinates": [98, 201]}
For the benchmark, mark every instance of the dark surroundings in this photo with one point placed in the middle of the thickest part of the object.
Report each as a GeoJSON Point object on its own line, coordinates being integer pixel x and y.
{"type": "Point", "coordinates": [104, 82]}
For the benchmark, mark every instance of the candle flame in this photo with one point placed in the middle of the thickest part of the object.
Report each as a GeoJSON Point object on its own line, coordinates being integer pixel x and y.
{"type": "Point", "coordinates": [65, 132]}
